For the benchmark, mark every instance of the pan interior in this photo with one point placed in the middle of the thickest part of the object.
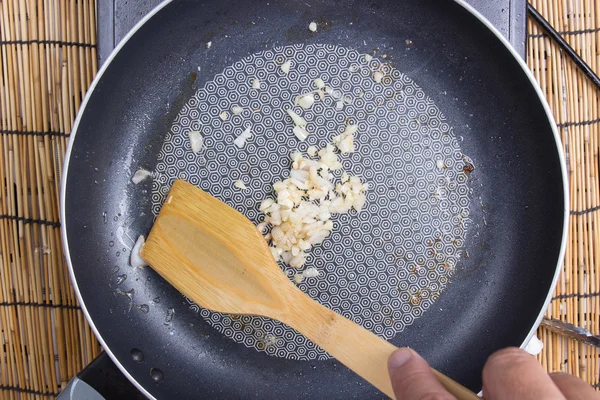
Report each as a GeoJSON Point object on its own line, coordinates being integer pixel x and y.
{"type": "Point", "coordinates": [517, 205]}
{"type": "Point", "coordinates": [382, 267]}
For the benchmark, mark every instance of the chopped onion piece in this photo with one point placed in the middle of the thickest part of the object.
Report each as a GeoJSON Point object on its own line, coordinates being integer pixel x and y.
{"type": "Point", "coordinates": [310, 272]}
{"type": "Point", "coordinates": [299, 175]}
{"type": "Point", "coordinates": [240, 185]}
{"type": "Point", "coordinates": [306, 100]}
{"type": "Point", "coordinates": [285, 67]}
{"type": "Point", "coordinates": [140, 175]}
{"type": "Point", "coordinates": [339, 105]}
{"type": "Point", "coordinates": [296, 119]}
{"type": "Point", "coordinates": [262, 227]}
{"type": "Point", "coordinates": [300, 133]}
{"type": "Point", "coordinates": [345, 141]}
{"type": "Point", "coordinates": [136, 259]}
{"type": "Point", "coordinates": [298, 278]}
{"type": "Point", "coordinates": [378, 76]}
{"type": "Point", "coordinates": [311, 151]}
{"type": "Point", "coordinates": [312, 27]}
{"type": "Point", "coordinates": [255, 83]}
{"type": "Point", "coordinates": [344, 178]}
{"type": "Point", "coordinates": [300, 216]}
{"type": "Point", "coordinates": [440, 164]}
{"type": "Point", "coordinates": [319, 83]}
{"type": "Point", "coordinates": [196, 141]}
{"type": "Point", "coordinates": [368, 57]}
{"type": "Point", "coordinates": [237, 110]}
{"type": "Point", "coordinates": [240, 141]}
{"type": "Point", "coordinates": [224, 115]}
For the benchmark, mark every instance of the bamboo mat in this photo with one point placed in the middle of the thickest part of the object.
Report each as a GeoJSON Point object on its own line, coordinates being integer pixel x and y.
{"type": "Point", "coordinates": [575, 103]}
{"type": "Point", "coordinates": [48, 57]}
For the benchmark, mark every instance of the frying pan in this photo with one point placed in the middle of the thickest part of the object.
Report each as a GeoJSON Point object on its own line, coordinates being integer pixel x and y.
{"type": "Point", "coordinates": [518, 203]}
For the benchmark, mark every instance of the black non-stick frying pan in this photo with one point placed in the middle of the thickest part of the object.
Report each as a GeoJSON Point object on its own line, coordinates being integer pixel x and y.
{"type": "Point", "coordinates": [490, 107]}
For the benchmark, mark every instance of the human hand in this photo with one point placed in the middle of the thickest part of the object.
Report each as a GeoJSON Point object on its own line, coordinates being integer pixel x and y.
{"type": "Point", "coordinates": [508, 374]}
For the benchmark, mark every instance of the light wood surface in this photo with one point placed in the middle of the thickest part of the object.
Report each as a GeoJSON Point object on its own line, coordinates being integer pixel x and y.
{"type": "Point", "coordinates": [575, 104]}
{"type": "Point", "coordinates": [218, 258]}
{"type": "Point", "coordinates": [48, 60]}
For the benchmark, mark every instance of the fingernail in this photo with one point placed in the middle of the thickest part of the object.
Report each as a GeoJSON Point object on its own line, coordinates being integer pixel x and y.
{"type": "Point", "coordinates": [399, 358]}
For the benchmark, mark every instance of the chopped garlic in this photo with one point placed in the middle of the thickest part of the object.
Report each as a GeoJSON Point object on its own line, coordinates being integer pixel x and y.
{"type": "Point", "coordinates": [298, 120]}
{"type": "Point", "coordinates": [237, 110]}
{"type": "Point", "coordinates": [329, 158]}
{"type": "Point", "coordinates": [140, 175]}
{"type": "Point", "coordinates": [224, 115]}
{"type": "Point", "coordinates": [298, 278]}
{"type": "Point", "coordinates": [378, 76]}
{"type": "Point", "coordinates": [285, 67]}
{"type": "Point", "coordinates": [345, 141]}
{"type": "Point", "coordinates": [196, 141]}
{"type": "Point", "coordinates": [311, 151]}
{"type": "Point", "coordinates": [136, 259]}
{"type": "Point", "coordinates": [255, 83]}
{"type": "Point", "coordinates": [208, 44]}
{"type": "Point", "coordinates": [262, 227]}
{"type": "Point", "coordinates": [300, 133]}
{"type": "Point", "coordinates": [306, 100]}
{"type": "Point", "coordinates": [310, 272]}
{"type": "Point", "coordinates": [368, 57]}
{"type": "Point", "coordinates": [312, 27]}
{"type": "Point", "coordinates": [440, 164]}
{"type": "Point", "coordinates": [240, 141]}
{"type": "Point", "coordinates": [319, 83]}
{"type": "Point", "coordinates": [240, 185]}
{"type": "Point", "coordinates": [300, 216]}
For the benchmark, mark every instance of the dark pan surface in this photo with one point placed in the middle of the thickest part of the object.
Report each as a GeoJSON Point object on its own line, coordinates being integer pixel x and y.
{"type": "Point", "coordinates": [496, 294]}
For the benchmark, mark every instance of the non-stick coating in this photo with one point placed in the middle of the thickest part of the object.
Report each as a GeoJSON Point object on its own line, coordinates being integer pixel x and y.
{"type": "Point", "coordinates": [496, 294]}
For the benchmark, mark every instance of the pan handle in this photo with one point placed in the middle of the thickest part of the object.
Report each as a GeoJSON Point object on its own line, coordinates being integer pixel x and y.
{"type": "Point", "coordinates": [100, 380]}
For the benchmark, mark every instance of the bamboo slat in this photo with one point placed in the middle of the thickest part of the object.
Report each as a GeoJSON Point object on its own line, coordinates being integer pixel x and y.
{"type": "Point", "coordinates": [574, 101]}
{"type": "Point", "coordinates": [48, 58]}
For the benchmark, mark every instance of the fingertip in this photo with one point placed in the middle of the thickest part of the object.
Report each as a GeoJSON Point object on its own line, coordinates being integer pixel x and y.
{"type": "Point", "coordinates": [513, 373]}
{"type": "Point", "coordinates": [400, 357]}
{"type": "Point", "coordinates": [413, 378]}
{"type": "Point", "coordinates": [573, 387]}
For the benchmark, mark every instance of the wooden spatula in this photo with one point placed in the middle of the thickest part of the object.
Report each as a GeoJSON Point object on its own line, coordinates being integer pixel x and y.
{"type": "Point", "coordinates": [215, 256]}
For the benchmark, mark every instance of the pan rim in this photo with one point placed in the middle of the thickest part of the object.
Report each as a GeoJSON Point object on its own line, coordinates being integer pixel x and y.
{"type": "Point", "coordinates": [561, 157]}
{"type": "Point", "coordinates": [154, 11]}
{"type": "Point", "coordinates": [63, 192]}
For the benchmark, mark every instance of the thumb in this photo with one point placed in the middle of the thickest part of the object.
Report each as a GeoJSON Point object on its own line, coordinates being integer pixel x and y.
{"type": "Point", "coordinates": [514, 374]}
{"type": "Point", "coordinates": [413, 379]}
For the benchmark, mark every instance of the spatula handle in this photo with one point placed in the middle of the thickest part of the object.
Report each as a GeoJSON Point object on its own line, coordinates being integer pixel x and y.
{"type": "Point", "coordinates": [360, 350]}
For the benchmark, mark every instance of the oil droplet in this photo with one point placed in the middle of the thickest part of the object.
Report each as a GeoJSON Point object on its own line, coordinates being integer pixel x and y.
{"type": "Point", "coordinates": [137, 355]}
{"type": "Point", "coordinates": [104, 216]}
{"type": "Point", "coordinates": [116, 269]}
{"type": "Point", "coordinates": [170, 314]}
{"type": "Point", "coordinates": [144, 308]}
{"type": "Point", "coordinates": [118, 253]}
{"type": "Point", "coordinates": [121, 279]}
{"type": "Point", "coordinates": [128, 294]}
{"type": "Point", "coordinates": [156, 300]}
{"type": "Point", "coordinates": [157, 375]}
{"type": "Point", "coordinates": [111, 243]}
